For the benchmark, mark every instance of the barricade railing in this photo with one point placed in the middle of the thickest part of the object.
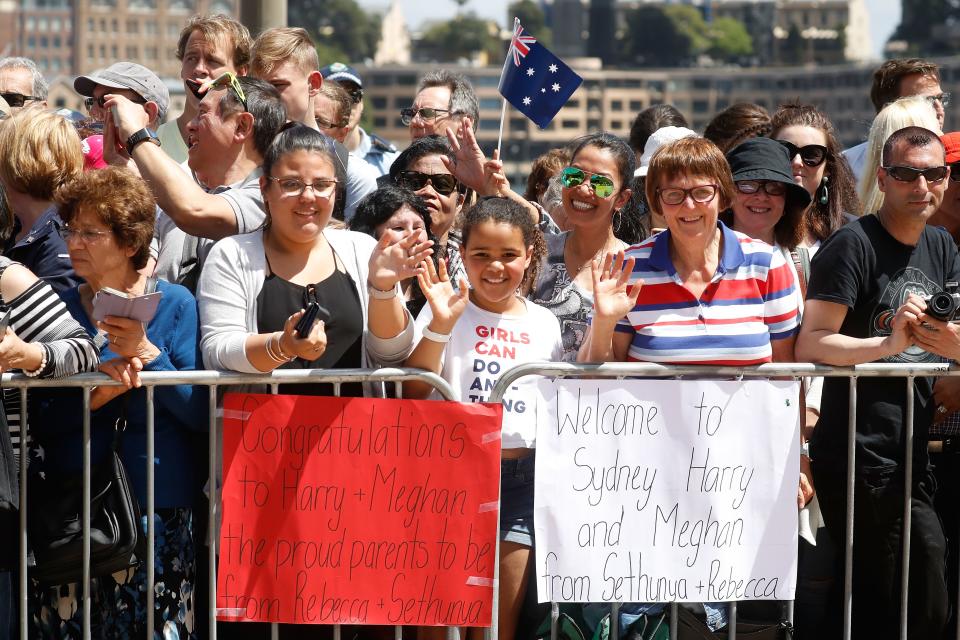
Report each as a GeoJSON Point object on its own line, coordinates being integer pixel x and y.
{"type": "Point", "coordinates": [624, 370]}
{"type": "Point", "coordinates": [214, 381]}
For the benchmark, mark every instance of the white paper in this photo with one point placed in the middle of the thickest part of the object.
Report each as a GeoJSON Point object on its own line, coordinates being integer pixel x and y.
{"type": "Point", "coordinates": [665, 490]}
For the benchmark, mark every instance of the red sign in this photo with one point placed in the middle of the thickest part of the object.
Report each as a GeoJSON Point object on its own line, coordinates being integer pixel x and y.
{"type": "Point", "coordinates": [358, 510]}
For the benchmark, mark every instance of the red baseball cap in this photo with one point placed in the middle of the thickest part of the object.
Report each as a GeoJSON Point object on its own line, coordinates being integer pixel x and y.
{"type": "Point", "coordinates": [92, 148]}
{"type": "Point", "coordinates": [951, 142]}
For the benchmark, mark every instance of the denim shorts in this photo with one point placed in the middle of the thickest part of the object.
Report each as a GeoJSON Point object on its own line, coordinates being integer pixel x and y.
{"type": "Point", "coordinates": [516, 500]}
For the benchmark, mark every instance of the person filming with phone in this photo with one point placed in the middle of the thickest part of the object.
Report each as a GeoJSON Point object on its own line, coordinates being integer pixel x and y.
{"type": "Point", "coordinates": [138, 324]}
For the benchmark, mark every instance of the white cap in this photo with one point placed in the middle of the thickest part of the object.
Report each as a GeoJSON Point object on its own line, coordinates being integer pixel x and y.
{"type": "Point", "coordinates": [656, 140]}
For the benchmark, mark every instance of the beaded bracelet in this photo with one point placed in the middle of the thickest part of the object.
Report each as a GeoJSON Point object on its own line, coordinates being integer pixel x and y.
{"type": "Point", "coordinates": [43, 365]}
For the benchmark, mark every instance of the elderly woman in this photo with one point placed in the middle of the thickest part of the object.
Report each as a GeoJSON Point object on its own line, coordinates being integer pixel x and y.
{"type": "Point", "coordinates": [109, 216]}
{"type": "Point", "coordinates": [421, 169]}
{"type": "Point", "coordinates": [700, 261]}
{"type": "Point", "coordinates": [254, 287]}
{"type": "Point", "coordinates": [42, 152]}
{"type": "Point", "coordinates": [595, 189]}
{"type": "Point", "coordinates": [396, 212]}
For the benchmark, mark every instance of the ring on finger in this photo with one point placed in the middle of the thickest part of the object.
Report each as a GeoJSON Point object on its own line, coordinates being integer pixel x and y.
{"type": "Point", "coordinates": [942, 410]}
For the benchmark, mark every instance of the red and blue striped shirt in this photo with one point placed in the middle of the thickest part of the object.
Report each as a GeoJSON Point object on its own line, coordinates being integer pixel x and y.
{"type": "Point", "coordinates": [750, 301]}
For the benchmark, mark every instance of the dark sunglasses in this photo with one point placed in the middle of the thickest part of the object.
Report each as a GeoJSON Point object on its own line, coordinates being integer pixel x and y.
{"type": "Point", "coordinates": [442, 183]}
{"type": "Point", "coordinates": [89, 102]}
{"type": "Point", "coordinates": [954, 171]}
{"type": "Point", "coordinates": [909, 174]}
{"type": "Point", "coordinates": [812, 155]}
{"type": "Point", "coordinates": [769, 187]}
{"type": "Point", "coordinates": [356, 95]}
{"type": "Point", "coordinates": [572, 177]}
{"type": "Point", "coordinates": [426, 113]}
{"type": "Point", "coordinates": [17, 99]}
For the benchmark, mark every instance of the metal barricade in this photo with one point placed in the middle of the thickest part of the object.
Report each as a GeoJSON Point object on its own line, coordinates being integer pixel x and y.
{"type": "Point", "coordinates": [213, 380]}
{"type": "Point", "coordinates": [622, 370]}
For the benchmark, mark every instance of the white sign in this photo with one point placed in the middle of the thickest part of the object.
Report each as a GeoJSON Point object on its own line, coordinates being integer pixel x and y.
{"type": "Point", "coordinates": [666, 491]}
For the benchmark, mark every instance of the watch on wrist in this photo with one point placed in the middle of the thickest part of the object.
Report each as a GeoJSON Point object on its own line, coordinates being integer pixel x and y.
{"type": "Point", "coordinates": [141, 136]}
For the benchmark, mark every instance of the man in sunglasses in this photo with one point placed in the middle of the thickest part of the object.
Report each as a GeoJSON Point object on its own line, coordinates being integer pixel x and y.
{"type": "Point", "coordinates": [901, 78]}
{"type": "Point", "coordinates": [373, 149]}
{"type": "Point", "coordinates": [130, 80]}
{"type": "Point", "coordinates": [443, 99]}
{"type": "Point", "coordinates": [21, 84]}
{"type": "Point", "coordinates": [865, 303]}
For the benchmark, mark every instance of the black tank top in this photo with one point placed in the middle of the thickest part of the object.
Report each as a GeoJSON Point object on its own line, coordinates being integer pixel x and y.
{"type": "Point", "coordinates": [279, 298]}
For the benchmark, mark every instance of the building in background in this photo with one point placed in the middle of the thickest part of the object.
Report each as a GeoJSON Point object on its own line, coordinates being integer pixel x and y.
{"type": "Point", "coordinates": [73, 37]}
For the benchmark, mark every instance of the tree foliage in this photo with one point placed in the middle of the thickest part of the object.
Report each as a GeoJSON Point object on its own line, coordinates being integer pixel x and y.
{"type": "Point", "coordinates": [462, 37]}
{"type": "Point", "coordinates": [676, 35]}
{"type": "Point", "coordinates": [340, 28]}
{"type": "Point", "coordinates": [532, 18]}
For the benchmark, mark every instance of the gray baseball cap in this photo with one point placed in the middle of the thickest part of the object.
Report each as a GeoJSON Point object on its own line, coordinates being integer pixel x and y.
{"type": "Point", "coordinates": [127, 75]}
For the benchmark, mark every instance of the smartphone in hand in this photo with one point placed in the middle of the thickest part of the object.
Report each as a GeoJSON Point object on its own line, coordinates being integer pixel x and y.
{"type": "Point", "coordinates": [311, 315]}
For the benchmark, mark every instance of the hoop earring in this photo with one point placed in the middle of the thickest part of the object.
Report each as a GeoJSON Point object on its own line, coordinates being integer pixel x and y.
{"type": "Point", "coordinates": [823, 195]}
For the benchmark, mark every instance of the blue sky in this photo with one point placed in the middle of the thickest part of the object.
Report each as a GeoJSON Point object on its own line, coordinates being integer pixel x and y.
{"type": "Point", "coordinates": [884, 14]}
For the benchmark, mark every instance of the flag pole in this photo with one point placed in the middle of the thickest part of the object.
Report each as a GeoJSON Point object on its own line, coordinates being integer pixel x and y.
{"type": "Point", "coordinates": [503, 116]}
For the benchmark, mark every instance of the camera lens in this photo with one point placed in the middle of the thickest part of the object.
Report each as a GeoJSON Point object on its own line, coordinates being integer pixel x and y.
{"type": "Point", "coordinates": [941, 306]}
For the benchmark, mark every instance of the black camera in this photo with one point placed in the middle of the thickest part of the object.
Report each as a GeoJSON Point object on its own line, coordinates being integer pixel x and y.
{"type": "Point", "coordinates": [945, 305]}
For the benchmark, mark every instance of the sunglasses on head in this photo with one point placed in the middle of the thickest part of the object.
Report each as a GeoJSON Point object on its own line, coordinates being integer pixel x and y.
{"type": "Point", "coordinates": [16, 99]}
{"type": "Point", "coordinates": [769, 187]}
{"type": "Point", "coordinates": [227, 80]}
{"type": "Point", "coordinates": [89, 102]}
{"type": "Point", "coordinates": [909, 174]}
{"type": "Point", "coordinates": [426, 113]}
{"type": "Point", "coordinates": [812, 155]}
{"type": "Point", "coordinates": [572, 177]}
{"type": "Point", "coordinates": [442, 183]}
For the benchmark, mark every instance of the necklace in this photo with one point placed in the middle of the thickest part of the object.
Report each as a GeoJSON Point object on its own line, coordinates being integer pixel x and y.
{"type": "Point", "coordinates": [599, 253]}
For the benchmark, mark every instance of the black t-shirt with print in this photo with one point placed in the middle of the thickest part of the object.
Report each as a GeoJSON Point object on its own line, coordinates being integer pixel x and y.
{"type": "Point", "coordinates": [864, 268]}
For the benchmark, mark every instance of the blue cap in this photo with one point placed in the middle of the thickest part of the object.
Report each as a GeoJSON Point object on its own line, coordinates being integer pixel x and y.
{"type": "Point", "coordinates": [339, 72]}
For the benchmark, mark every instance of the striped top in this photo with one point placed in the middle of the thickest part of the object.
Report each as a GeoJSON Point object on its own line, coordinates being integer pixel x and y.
{"type": "Point", "coordinates": [39, 315]}
{"type": "Point", "coordinates": [750, 301]}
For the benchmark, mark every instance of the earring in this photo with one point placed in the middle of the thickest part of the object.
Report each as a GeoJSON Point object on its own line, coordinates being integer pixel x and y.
{"type": "Point", "coordinates": [823, 195]}
{"type": "Point", "coordinates": [617, 219]}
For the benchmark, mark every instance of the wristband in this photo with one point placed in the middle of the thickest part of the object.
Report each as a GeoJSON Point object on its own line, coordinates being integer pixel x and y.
{"type": "Point", "coordinates": [805, 449]}
{"type": "Point", "coordinates": [436, 337]}
{"type": "Point", "coordinates": [380, 294]}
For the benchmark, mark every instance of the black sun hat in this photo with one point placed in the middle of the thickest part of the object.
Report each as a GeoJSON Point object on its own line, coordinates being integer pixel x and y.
{"type": "Point", "coordinates": [766, 159]}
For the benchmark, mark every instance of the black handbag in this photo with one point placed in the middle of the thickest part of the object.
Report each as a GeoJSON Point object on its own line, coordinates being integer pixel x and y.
{"type": "Point", "coordinates": [54, 520]}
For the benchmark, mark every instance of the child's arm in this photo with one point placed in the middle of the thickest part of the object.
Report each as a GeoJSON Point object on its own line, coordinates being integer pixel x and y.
{"type": "Point", "coordinates": [447, 306]}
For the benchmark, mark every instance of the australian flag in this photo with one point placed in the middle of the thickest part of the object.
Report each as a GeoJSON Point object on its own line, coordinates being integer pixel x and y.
{"type": "Point", "coordinates": [536, 82]}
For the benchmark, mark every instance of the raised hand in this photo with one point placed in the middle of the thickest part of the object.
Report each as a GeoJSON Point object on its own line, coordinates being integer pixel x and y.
{"type": "Point", "coordinates": [393, 262]}
{"type": "Point", "coordinates": [468, 163]}
{"type": "Point", "coordinates": [446, 303]}
{"type": "Point", "coordinates": [613, 297]}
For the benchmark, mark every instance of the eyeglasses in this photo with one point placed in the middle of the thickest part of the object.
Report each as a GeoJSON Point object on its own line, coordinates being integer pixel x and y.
{"type": "Point", "coordinates": [573, 177]}
{"type": "Point", "coordinates": [296, 186]}
{"type": "Point", "coordinates": [942, 98]}
{"type": "Point", "coordinates": [770, 187]}
{"type": "Point", "coordinates": [442, 183]}
{"type": "Point", "coordinates": [100, 102]}
{"type": "Point", "coordinates": [228, 80]}
{"type": "Point", "coordinates": [674, 195]}
{"type": "Point", "coordinates": [326, 124]}
{"type": "Point", "coordinates": [909, 174]}
{"type": "Point", "coordinates": [17, 99]}
{"type": "Point", "coordinates": [812, 155]}
{"type": "Point", "coordinates": [356, 95]}
{"type": "Point", "coordinates": [88, 236]}
{"type": "Point", "coordinates": [954, 171]}
{"type": "Point", "coordinates": [426, 113]}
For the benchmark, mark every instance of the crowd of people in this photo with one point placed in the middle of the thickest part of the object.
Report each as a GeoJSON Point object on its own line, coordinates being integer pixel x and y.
{"type": "Point", "coordinates": [758, 241]}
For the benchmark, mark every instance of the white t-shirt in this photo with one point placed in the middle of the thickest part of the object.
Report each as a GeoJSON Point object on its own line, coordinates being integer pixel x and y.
{"type": "Point", "coordinates": [484, 344]}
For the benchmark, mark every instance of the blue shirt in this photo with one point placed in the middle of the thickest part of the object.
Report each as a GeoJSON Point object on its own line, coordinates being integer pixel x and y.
{"type": "Point", "coordinates": [178, 410]}
{"type": "Point", "coordinates": [44, 252]}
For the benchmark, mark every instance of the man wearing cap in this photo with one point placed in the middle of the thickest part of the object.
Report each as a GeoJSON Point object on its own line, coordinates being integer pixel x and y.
{"type": "Point", "coordinates": [948, 215]}
{"type": "Point", "coordinates": [373, 149]}
{"type": "Point", "coordinates": [865, 304]}
{"type": "Point", "coordinates": [134, 82]}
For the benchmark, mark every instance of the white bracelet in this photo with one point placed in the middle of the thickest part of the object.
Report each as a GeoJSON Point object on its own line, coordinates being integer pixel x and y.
{"type": "Point", "coordinates": [436, 337]}
{"type": "Point", "coordinates": [43, 365]}
{"type": "Point", "coordinates": [380, 294]}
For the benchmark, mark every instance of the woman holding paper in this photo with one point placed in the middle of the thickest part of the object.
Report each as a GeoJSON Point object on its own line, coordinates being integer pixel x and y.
{"type": "Point", "coordinates": [109, 216]}
{"type": "Point", "coordinates": [670, 299]}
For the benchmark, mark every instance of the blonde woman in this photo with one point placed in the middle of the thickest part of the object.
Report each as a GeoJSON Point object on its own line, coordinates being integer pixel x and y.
{"type": "Point", "coordinates": [906, 112]}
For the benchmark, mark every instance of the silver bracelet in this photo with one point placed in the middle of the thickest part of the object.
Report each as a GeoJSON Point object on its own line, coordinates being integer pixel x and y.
{"type": "Point", "coordinates": [280, 350]}
{"type": "Point", "coordinates": [43, 365]}
{"type": "Point", "coordinates": [272, 350]}
{"type": "Point", "coordinates": [436, 337]}
{"type": "Point", "coordinates": [380, 294]}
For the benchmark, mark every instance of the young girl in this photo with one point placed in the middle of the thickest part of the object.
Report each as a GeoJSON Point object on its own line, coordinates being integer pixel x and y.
{"type": "Point", "coordinates": [469, 337]}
